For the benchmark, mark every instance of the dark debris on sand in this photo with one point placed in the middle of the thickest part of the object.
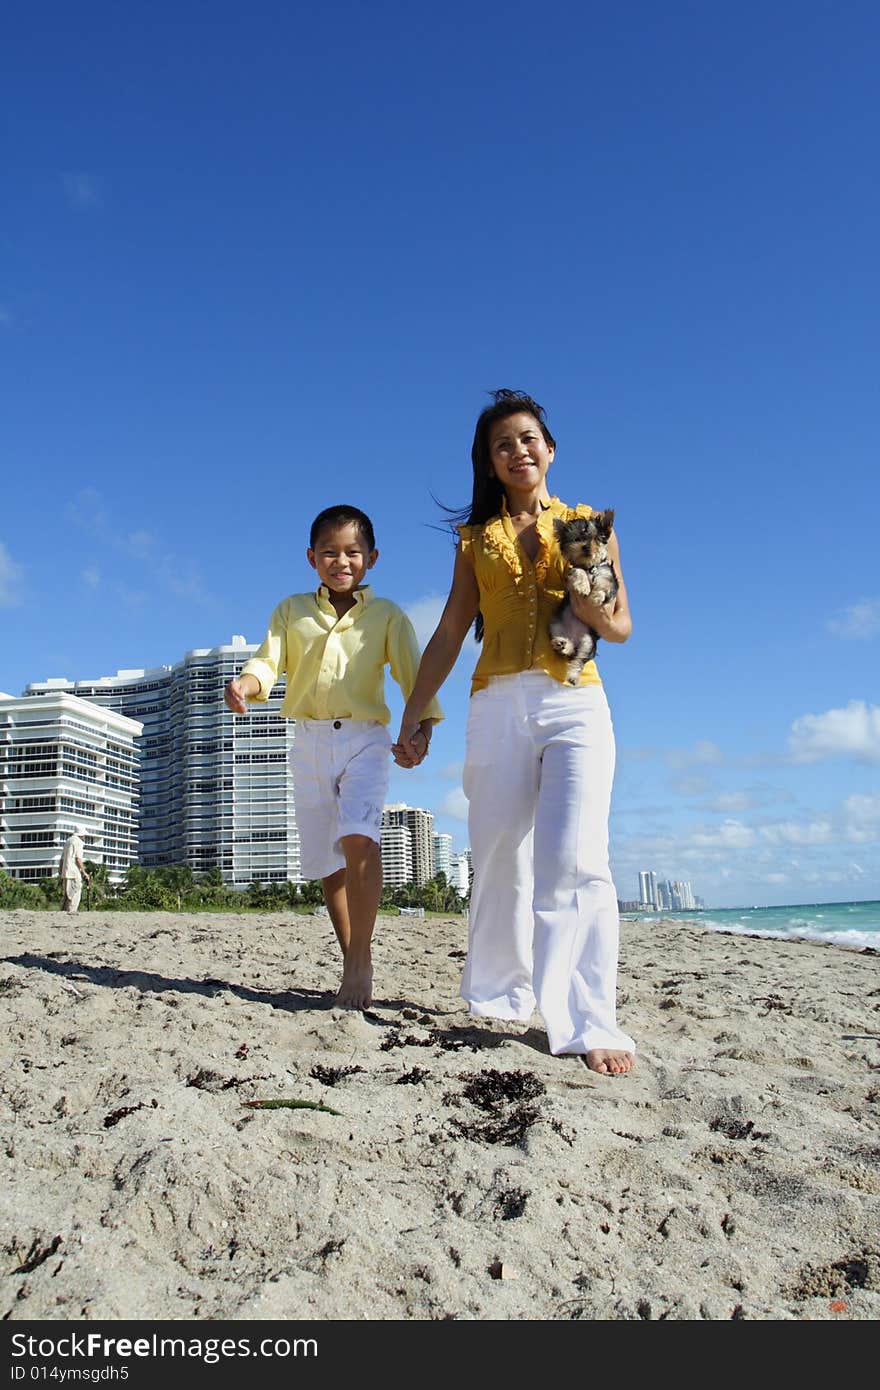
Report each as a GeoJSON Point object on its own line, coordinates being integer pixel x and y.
{"type": "Point", "coordinates": [505, 1098]}
{"type": "Point", "coordinates": [329, 1076]}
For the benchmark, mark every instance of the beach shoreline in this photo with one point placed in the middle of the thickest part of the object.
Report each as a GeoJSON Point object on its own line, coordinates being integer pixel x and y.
{"type": "Point", "coordinates": [435, 1166]}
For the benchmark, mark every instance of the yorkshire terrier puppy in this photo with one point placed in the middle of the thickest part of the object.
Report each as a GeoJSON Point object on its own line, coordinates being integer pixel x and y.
{"type": "Point", "coordinates": [583, 543]}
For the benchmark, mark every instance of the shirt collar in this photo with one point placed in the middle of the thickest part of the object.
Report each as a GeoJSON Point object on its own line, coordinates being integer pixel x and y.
{"type": "Point", "coordinates": [362, 597]}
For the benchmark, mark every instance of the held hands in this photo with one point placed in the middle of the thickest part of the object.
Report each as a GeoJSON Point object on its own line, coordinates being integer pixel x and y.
{"type": "Point", "coordinates": [412, 745]}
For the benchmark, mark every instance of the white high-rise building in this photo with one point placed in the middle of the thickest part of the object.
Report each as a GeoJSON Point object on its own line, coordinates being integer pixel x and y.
{"type": "Point", "coordinates": [66, 762]}
{"type": "Point", "coordinates": [461, 873]}
{"type": "Point", "coordinates": [216, 791]}
{"type": "Point", "coordinates": [396, 847]}
{"type": "Point", "coordinates": [420, 825]}
{"type": "Point", "coordinates": [442, 854]}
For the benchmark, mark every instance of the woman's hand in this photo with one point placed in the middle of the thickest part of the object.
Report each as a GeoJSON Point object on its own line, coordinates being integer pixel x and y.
{"type": "Point", "coordinates": [412, 745]}
{"type": "Point", "coordinates": [606, 619]}
{"type": "Point", "coordinates": [611, 621]}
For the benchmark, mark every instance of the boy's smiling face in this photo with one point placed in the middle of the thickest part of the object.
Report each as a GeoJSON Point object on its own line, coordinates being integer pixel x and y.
{"type": "Point", "coordinates": [341, 557]}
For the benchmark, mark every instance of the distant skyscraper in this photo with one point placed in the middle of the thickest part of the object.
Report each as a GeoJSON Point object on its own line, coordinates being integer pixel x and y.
{"type": "Point", "coordinates": [215, 787]}
{"type": "Point", "coordinates": [442, 844]}
{"type": "Point", "coordinates": [420, 825]}
{"type": "Point", "coordinates": [66, 762]}
{"type": "Point", "coordinates": [648, 888]}
{"type": "Point", "coordinates": [461, 873]}
{"type": "Point", "coordinates": [396, 847]}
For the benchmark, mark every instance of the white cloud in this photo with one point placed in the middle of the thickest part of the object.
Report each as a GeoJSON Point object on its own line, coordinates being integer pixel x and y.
{"type": "Point", "coordinates": [424, 614]}
{"type": "Point", "coordinates": [455, 804]}
{"type": "Point", "coordinates": [179, 575]}
{"type": "Point", "coordinates": [731, 834]}
{"type": "Point", "coordinates": [88, 511]}
{"type": "Point", "coordinates": [818, 832]}
{"type": "Point", "coordinates": [83, 190]}
{"type": "Point", "coordinates": [865, 809]}
{"type": "Point", "coordinates": [731, 801]}
{"type": "Point", "coordinates": [11, 576]}
{"type": "Point", "coordinates": [451, 772]}
{"type": "Point", "coordinates": [132, 598]}
{"type": "Point", "coordinates": [140, 543]}
{"type": "Point", "coordinates": [182, 577]}
{"type": "Point", "coordinates": [860, 620]}
{"type": "Point", "coordinates": [702, 754]}
{"type": "Point", "coordinates": [861, 819]}
{"type": "Point", "coordinates": [690, 786]}
{"type": "Point", "coordinates": [851, 732]}
{"type": "Point", "coordinates": [91, 577]}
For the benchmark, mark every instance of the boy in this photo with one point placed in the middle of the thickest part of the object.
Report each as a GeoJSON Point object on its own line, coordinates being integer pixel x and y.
{"type": "Point", "coordinates": [333, 646]}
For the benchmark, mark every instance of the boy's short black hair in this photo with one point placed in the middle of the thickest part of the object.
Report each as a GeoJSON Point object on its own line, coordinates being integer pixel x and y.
{"type": "Point", "coordinates": [341, 515]}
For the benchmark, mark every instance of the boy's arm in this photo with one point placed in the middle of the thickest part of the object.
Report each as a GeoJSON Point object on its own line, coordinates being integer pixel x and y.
{"type": "Point", "coordinates": [258, 675]}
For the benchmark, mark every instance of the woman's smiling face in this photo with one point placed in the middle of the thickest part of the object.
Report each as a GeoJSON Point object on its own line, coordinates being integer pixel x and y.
{"type": "Point", "coordinates": [519, 455]}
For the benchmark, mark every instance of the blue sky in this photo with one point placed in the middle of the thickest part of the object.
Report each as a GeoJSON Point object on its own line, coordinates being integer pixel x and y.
{"type": "Point", "coordinates": [258, 259]}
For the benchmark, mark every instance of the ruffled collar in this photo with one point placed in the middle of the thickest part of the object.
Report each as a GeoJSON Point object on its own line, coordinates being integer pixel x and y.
{"type": "Point", "coordinates": [500, 539]}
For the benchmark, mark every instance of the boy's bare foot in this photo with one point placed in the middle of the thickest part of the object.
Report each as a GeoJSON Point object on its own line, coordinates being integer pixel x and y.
{"type": "Point", "coordinates": [603, 1060]}
{"type": "Point", "coordinates": [356, 990]}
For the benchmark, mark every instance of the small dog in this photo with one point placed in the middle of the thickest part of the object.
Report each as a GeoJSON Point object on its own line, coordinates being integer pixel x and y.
{"type": "Point", "coordinates": [583, 543]}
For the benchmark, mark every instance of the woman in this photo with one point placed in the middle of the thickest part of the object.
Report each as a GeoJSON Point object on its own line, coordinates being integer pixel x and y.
{"type": "Point", "coordinates": [543, 924]}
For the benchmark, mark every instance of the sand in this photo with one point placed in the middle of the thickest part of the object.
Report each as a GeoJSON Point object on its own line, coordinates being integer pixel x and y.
{"type": "Point", "coordinates": [457, 1171]}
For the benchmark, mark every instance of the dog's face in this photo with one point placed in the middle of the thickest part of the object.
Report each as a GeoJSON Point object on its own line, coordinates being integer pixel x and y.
{"type": "Point", "coordinates": [583, 541]}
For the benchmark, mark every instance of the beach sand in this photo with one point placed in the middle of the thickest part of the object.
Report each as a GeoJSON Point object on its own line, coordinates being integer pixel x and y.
{"type": "Point", "coordinates": [459, 1171]}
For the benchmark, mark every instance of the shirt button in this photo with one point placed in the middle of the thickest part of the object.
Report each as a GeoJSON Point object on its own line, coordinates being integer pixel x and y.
{"type": "Point", "coordinates": [337, 723]}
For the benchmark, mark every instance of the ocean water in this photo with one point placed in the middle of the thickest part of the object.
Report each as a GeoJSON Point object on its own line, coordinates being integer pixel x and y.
{"type": "Point", "coordinates": [854, 925]}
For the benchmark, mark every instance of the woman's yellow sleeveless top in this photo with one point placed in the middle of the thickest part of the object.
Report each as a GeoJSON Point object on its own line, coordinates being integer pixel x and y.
{"type": "Point", "coordinates": [518, 596]}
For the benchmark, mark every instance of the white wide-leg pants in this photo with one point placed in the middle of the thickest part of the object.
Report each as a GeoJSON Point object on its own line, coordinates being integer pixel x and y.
{"type": "Point", "coordinates": [543, 923]}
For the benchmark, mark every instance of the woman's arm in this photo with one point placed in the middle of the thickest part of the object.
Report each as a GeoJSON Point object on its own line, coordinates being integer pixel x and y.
{"type": "Point", "coordinates": [439, 657]}
{"type": "Point", "coordinates": [611, 621]}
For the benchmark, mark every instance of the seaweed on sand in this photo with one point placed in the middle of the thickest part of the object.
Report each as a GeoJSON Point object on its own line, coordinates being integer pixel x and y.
{"type": "Point", "coordinates": [289, 1104]}
{"type": "Point", "coordinates": [504, 1097]}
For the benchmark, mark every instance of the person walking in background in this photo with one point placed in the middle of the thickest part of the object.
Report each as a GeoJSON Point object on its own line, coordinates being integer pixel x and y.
{"type": "Point", "coordinates": [543, 923]}
{"type": "Point", "coordinates": [73, 870]}
{"type": "Point", "coordinates": [333, 646]}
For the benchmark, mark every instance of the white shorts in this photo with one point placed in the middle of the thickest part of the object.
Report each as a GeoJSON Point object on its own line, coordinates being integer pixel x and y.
{"type": "Point", "coordinates": [340, 780]}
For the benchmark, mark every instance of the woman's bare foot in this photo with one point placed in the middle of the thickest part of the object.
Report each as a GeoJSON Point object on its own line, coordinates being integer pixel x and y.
{"type": "Point", "coordinates": [356, 990]}
{"type": "Point", "coordinates": [603, 1060]}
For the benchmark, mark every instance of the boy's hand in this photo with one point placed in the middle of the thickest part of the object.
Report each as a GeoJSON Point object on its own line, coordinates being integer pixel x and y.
{"type": "Point", "coordinates": [235, 694]}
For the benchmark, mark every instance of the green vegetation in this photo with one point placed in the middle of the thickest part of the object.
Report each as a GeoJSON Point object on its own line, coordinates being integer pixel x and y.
{"type": "Point", "coordinates": [174, 888]}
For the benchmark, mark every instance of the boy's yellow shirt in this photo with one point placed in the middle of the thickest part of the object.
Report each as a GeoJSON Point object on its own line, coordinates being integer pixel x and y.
{"type": "Point", "coordinates": [335, 667]}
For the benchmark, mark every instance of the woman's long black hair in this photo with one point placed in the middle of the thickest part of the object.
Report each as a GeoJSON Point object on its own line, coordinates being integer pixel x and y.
{"type": "Point", "coordinates": [488, 494]}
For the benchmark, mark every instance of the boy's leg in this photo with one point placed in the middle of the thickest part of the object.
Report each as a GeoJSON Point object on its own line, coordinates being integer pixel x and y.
{"type": "Point", "coordinates": [363, 767]}
{"type": "Point", "coordinates": [337, 905]}
{"type": "Point", "coordinates": [314, 791]}
{"type": "Point", "coordinates": [362, 889]}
